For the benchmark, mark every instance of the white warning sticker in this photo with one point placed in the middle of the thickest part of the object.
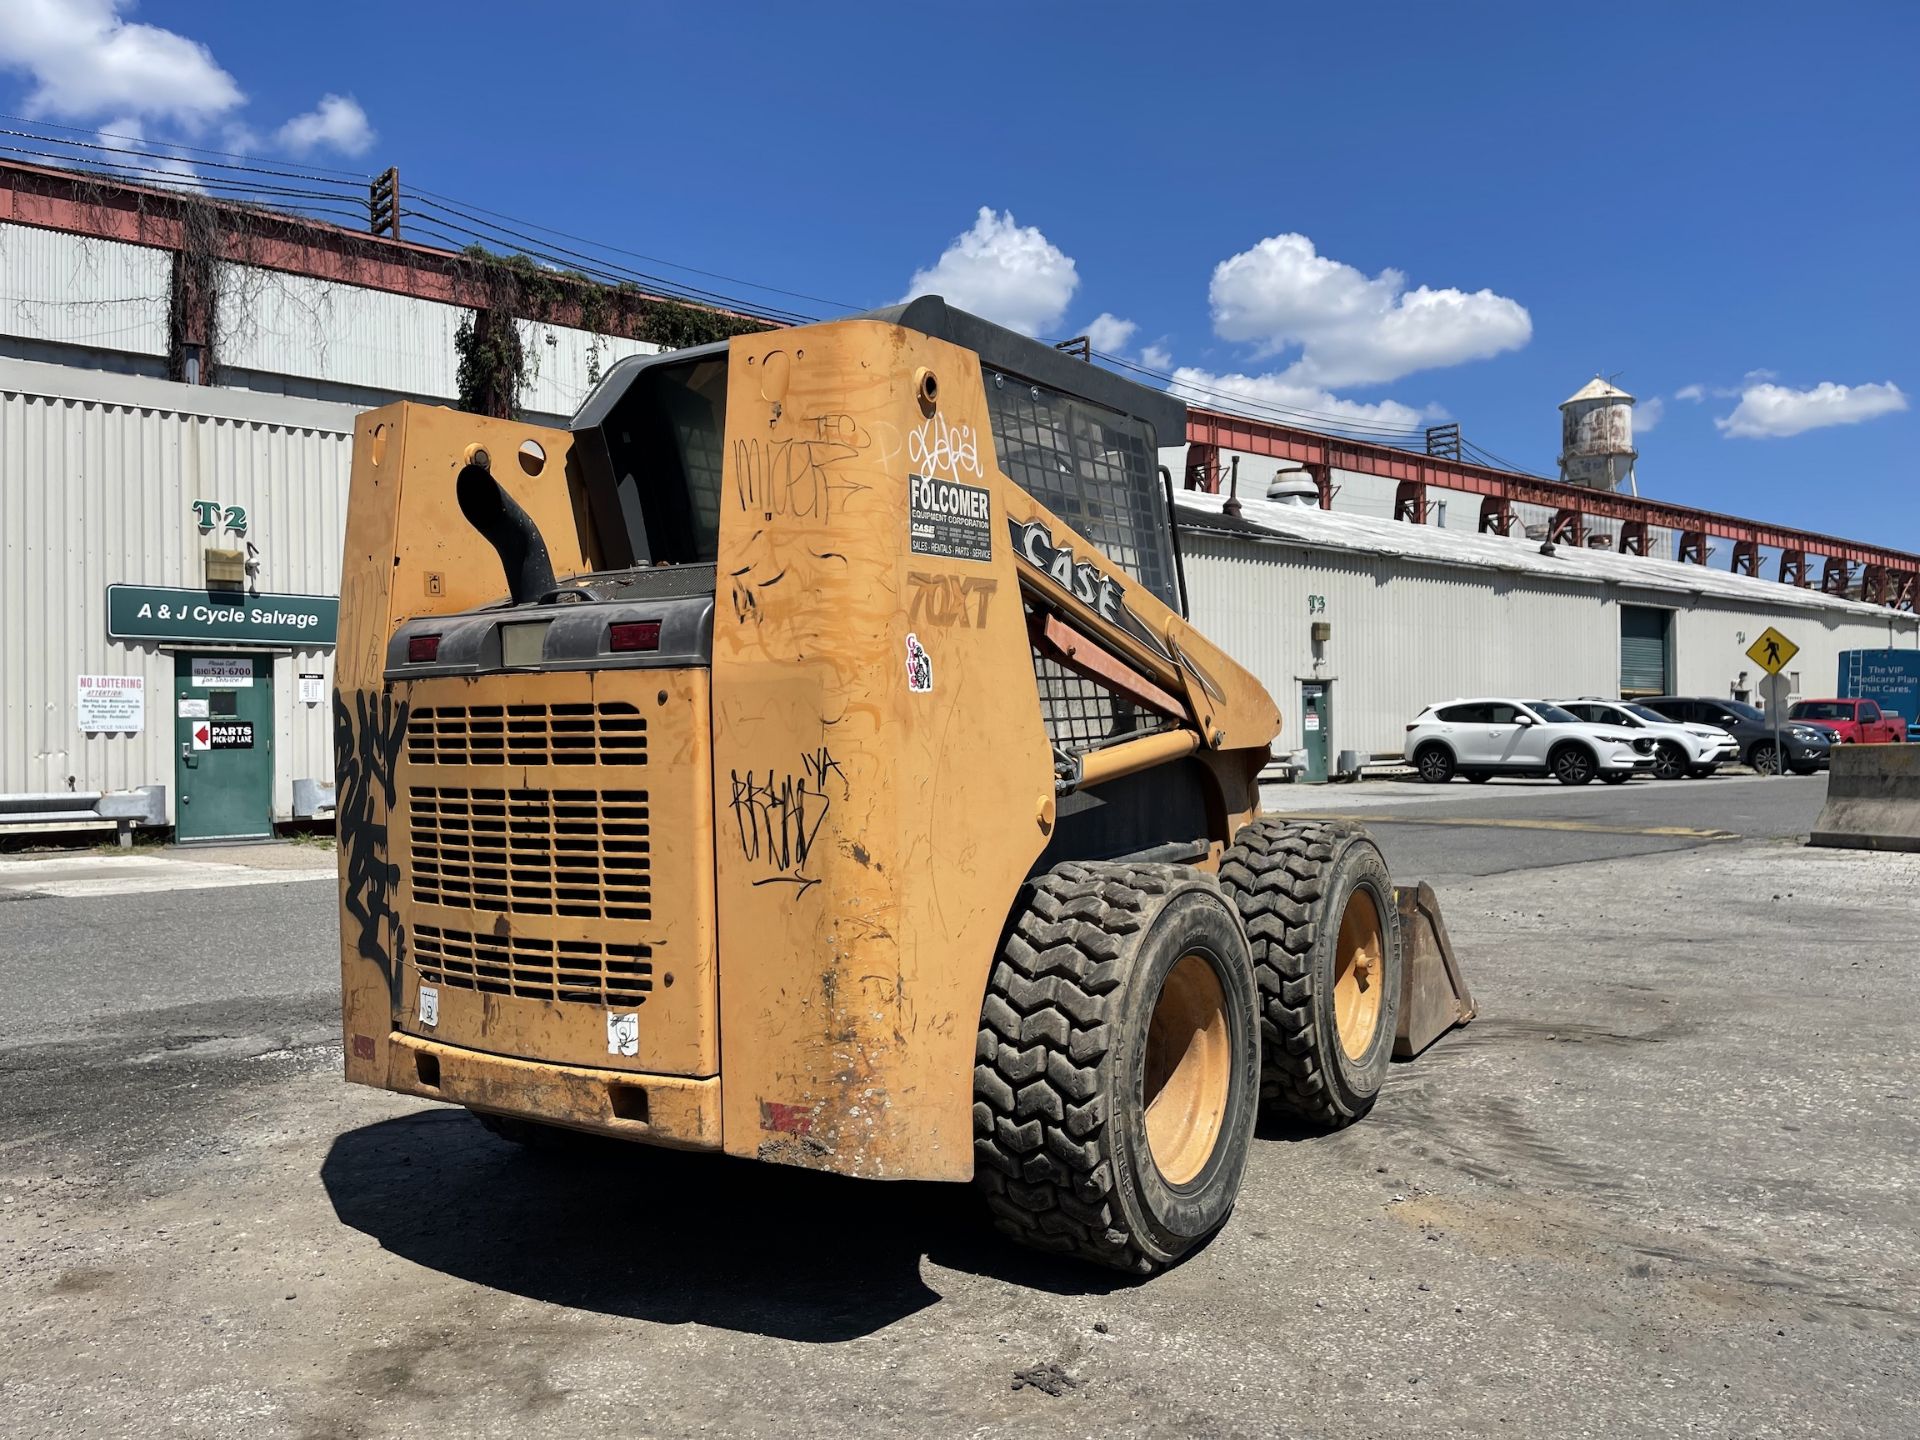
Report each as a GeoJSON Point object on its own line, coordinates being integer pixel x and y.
{"type": "Point", "coordinates": [429, 1006]}
{"type": "Point", "coordinates": [623, 1033]}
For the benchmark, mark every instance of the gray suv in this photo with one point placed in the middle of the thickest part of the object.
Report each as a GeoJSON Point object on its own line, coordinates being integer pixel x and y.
{"type": "Point", "coordinates": [1807, 746]}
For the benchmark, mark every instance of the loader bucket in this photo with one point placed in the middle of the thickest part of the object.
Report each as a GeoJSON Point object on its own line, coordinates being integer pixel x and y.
{"type": "Point", "coordinates": [1433, 993]}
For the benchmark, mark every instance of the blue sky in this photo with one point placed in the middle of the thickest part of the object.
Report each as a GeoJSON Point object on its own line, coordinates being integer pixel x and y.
{"type": "Point", "coordinates": [1391, 212]}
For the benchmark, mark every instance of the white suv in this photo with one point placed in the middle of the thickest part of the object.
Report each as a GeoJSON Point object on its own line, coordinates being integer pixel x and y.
{"type": "Point", "coordinates": [1483, 738]}
{"type": "Point", "coordinates": [1678, 750]}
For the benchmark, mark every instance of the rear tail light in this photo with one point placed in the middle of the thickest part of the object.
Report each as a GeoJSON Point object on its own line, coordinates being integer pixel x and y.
{"type": "Point", "coordinates": [423, 649]}
{"type": "Point", "coordinates": [634, 635]}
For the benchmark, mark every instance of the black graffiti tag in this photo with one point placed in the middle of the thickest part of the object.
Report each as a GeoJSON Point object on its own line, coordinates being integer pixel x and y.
{"type": "Point", "coordinates": [366, 749]}
{"type": "Point", "coordinates": [780, 817]}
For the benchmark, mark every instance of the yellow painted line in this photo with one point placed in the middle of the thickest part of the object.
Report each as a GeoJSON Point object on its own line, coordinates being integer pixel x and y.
{"type": "Point", "coordinates": [1672, 832]}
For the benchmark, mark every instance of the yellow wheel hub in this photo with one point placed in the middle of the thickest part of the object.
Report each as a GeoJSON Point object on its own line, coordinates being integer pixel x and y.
{"type": "Point", "coordinates": [1189, 1070]}
{"type": "Point", "coordinates": [1359, 969]}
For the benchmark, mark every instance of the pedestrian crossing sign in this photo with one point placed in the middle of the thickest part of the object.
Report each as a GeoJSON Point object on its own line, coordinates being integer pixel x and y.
{"type": "Point", "coordinates": [1772, 651]}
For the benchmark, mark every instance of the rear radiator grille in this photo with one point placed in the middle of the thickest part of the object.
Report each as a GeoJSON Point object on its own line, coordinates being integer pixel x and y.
{"type": "Point", "coordinates": [581, 853]}
{"type": "Point", "coordinates": [608, 733]}
{"type": "Point", "coordinates": [581, 971]}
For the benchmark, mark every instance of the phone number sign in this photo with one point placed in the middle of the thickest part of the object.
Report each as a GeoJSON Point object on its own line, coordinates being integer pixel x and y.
{"type": "Point", "coordinates": [141, 612]}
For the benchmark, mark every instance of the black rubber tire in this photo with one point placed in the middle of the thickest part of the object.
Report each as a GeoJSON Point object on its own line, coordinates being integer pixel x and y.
{"type": "Point", "coordinates": [1291, 881]}
{"type": "Point", "coordinates": [1479, 777]}
{"type": "Point", "coordinates": [1572, 764]}
{"type": "Point", "coordinates": [1060, 1141]}
{"type": "Point", "coordinates": [1669, 761]}
{"type": "Point", "coordinates": [1764, 759]}
{"type": "Point", "coordinates": [1434, 762]}
{"type": "Point", "coordinates": [1616, 777]}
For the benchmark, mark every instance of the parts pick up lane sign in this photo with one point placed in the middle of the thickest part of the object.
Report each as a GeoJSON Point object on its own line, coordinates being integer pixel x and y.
{"type": "Point", "coordinates": [222, 735]}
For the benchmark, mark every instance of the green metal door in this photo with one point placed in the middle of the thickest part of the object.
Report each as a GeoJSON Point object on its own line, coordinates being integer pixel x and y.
{"type": "Point", "coordinates": [224, 732]}
{"type": "Point", "coordinates": [1645, 650]}
{"type": "Point", "coordinates": [1316, 725]}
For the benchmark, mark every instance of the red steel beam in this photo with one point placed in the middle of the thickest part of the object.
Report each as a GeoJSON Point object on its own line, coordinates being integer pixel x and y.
{"type": "Point", "coordinates": [111, 209]}
{"type": "Point", "coordinates": [1411, 471]}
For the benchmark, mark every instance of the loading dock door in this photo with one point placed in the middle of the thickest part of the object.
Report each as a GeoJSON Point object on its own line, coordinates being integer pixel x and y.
{"type": "Point", "coordinates": [223, 724]}
{"type": "Point", "coordinates": [1646, 650]}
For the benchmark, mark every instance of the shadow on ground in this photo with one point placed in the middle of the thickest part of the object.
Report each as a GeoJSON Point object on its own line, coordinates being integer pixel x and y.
{"type": "Point", "coordinates": [669, 1237]}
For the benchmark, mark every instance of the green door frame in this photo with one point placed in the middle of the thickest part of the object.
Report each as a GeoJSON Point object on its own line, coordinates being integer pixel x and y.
{"type": "Point", "coordinates": [224, 787]}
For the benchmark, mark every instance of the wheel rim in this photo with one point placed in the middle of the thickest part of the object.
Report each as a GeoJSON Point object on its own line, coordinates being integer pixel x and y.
{"type": "Point", "coordinates": [1572, 764]}
{"type": "Point", "coordinates": [1433, 765]}
{"type": "Point", "coordinates": [1766, 761]}
{"type": "Point", "coordinates": [1189, 1070]}
{"type": "Point", "coordinates": [1667, 763]}
{"type": "Point", "coordinates": [1358, 968]}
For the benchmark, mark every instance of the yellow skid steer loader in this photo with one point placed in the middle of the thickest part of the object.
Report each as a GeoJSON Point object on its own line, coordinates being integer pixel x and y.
{"type": "Point", "coordinates": [839, 783]}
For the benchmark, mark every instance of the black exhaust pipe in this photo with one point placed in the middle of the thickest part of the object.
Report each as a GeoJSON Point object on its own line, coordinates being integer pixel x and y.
{"type": "Point", "coordinates": [510, 530]}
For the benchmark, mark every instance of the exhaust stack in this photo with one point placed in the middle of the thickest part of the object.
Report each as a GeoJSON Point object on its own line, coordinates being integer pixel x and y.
{"type": "Point", "coordinates": [511, 532]}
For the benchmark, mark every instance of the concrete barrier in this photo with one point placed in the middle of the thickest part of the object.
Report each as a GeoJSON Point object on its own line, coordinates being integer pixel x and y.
{"type": "Point", "coordinates": [1873, 799]}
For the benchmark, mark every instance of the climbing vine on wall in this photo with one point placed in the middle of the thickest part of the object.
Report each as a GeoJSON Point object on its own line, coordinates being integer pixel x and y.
{"type": "Point", "coordinates": [494, 369]}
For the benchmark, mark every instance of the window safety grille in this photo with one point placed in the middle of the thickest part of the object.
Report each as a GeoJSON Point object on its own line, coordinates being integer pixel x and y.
{"type": "Point", "coordinates": [1095, 468]}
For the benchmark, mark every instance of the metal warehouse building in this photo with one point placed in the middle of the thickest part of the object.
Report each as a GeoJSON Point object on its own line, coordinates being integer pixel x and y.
{"type": "Point", "coordinates": [182, 543]}
{"type": "Point", "coordinates": [179, 380]}
{"type": "Point", "coordinates": [171, 564]}
{"type": "Point", "coordinates": [1414, 614]}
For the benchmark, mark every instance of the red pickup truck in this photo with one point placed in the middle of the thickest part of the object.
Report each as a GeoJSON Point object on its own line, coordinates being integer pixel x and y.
{"type": "Point", "coordinates": [1853, 722]}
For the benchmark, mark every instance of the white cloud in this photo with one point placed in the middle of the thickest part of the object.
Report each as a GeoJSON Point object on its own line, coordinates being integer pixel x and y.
{"type": "Point", "coordinates": [1767, 410]}
{"type": "Point", "coordinates": [85, 61]}
{"type": "Point", "coordinates": [1647, 414]}
{"type": "Point", "coordinates": [1009, 273]}
{"type": "Point", "coordinates": [1213, 391]}
{"type": "Point", "coordinates": [337, 123]}
{"type": "Point", "coordinates": [1109, 332]}
{"type": "Point", "coordinates": [1695, 393]}
{"type": "Point", "coordinates": [1352, 329]}
{"type": "Point", "coordinates": [1156, 357]}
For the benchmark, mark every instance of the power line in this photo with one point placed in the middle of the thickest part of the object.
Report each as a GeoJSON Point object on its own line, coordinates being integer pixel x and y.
{"type": "Point", "coordinates": [1316, 419]}
{"type": "Point", "coordinates": [316, 170]}
{"type": "Point", "coordinates": [636, 255]}
{"type": "Point", "coordinates": [462, 224]}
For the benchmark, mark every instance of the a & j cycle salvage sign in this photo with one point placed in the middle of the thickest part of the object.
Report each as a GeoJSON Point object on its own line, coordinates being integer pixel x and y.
{"type": "Point", "coordinates": [141, 612]}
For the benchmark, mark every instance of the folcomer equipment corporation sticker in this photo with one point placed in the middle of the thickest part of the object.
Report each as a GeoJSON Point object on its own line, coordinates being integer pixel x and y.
{"type": "Point", "coordinates": [948, 519]}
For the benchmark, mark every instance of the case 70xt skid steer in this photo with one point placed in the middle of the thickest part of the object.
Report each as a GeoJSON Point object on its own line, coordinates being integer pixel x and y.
{"type": "Point", "coordinates": [840, 784]}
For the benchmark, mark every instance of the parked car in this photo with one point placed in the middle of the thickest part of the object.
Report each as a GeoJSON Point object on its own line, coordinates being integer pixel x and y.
{"type": "Point", "coordinates": [1853, 722]}
{"type": "Point", "coordinates": [1807, 746]}
{"type": "Point", "coordinates": [1483, 738]}
{"type": "Point", "coordinates": [1678, 750]}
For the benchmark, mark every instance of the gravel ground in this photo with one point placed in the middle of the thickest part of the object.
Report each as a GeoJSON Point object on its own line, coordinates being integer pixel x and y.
{"type": "Point", "coordinates": [1664, 1186]}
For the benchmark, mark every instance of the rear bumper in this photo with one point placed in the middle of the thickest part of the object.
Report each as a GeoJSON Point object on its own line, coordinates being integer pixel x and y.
{"type": "Point", "coordinates": [670, 1110]}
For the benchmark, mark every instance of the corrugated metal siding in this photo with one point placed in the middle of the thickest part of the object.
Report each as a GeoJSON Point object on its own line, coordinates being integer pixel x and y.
{"type": "Point", "coordinates": [97, 476]}
{"type": "Point", "coordinates": [282, 324]}
{"type": "Point", "coordinates": [1404, 634]}
{"type": "Point", "coordinates": [1407, 633]}
{"type": "Point", "coordinates": [1709, 651]}
{"type": "Point", "coordinates": [72, 290]}
{"type": "Point", "coordinates": [561, 366]}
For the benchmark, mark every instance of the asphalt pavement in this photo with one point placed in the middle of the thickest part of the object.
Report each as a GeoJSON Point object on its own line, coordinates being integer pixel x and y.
{"type": "Point", "coordinates": [1664, 1185]}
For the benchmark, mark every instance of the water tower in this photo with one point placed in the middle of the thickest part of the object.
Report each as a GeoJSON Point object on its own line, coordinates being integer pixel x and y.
{"type": "Point", "coordinates": [1596, 437]}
